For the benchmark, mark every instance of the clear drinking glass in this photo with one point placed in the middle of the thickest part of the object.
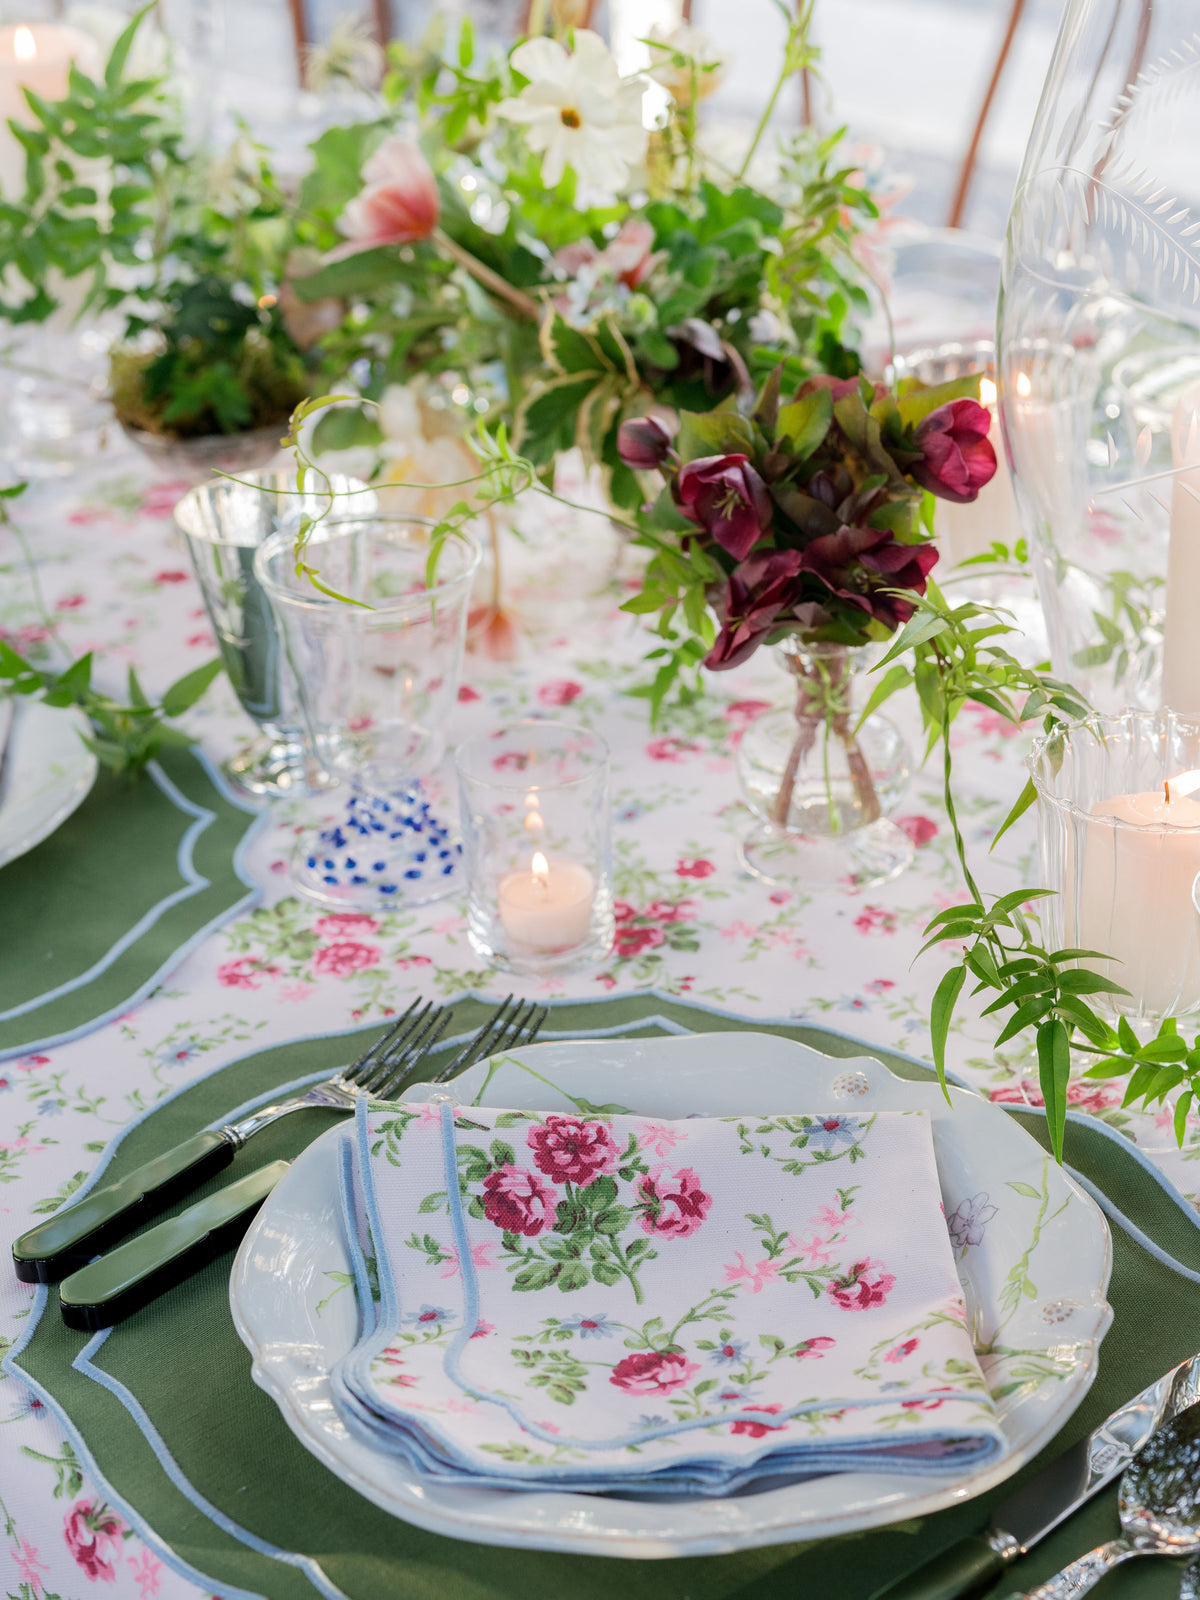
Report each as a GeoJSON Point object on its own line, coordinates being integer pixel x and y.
{"type": "Point", "coordinates": [537, 823]}
{"type": "Point", "coordinates": [1122, 857]}
{"type": "Point", "coordinates": [377, 684]}
{"type": "Point", "coordinates": [1099, 331]}
{"type": "Point", "coordinates": [223, 524]}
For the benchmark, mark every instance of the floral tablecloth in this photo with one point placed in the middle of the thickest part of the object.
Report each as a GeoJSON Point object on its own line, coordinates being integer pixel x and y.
{"type": "Point", "coordinates": [114, 578]}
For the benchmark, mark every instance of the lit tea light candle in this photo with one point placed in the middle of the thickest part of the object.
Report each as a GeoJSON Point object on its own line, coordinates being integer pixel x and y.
{"type": "Point", "coordinates": [548, 907]}
{"type": "Point", "coordinates": [1135, 894]}
{"type": "Point", "coordinates": [35, 56]}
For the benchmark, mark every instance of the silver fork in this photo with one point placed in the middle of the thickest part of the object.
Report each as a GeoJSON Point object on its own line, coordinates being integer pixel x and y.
{"type": "Point", "coordinates": [513, 1023]}
{"type": "Point", "coordinates": [72, 1236]}
{"type": "Point", "coordinates": [377, 1074]}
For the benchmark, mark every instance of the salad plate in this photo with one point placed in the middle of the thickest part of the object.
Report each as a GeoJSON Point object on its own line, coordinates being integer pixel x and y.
{"type": "Point", "coordinates": [48, 772]}
{"type": "Point", "coordinates": [1032, 1250]}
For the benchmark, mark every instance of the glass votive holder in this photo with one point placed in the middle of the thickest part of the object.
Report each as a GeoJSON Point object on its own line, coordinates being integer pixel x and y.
{"type": "Point", "coordinates": [1119, 839]}
{"type": "Point", "coordinates": [536, 823]}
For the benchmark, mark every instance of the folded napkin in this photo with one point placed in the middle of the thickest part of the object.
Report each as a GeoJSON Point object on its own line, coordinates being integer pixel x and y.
{"type": "Point", "coordinates": [610, 1302]}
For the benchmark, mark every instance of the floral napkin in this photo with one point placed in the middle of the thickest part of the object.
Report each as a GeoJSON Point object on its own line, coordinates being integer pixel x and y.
{"type": "Point", "coordinates": [609, 1302]}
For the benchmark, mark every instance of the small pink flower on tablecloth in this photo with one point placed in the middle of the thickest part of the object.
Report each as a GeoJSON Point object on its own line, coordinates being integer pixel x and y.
{"type": "Point", "coordinates": [670, 749]}
{"type": "Point", "coordinates": [757, 1276]}
{"type": "Point", "coordinates": [29, 1565]}
{"type": "Point", "coordinates": [196, 640]}
{"type": "Point", "coordinates": [147, 1571]}
{"type": "Point", "coordinates": [93, 1536]}
{"type": "Point", "coordinates": [901, 1352]}
{"type": "Point", "coordinates": [919, 829]}
{"type": "Point", "coordinates": [632, 941]}
{"type": "Point", "coordinates": [466, 694]}
{"type": "Point", "coordinates": [559, 692]}
{"type": "Point", "coordinates": [867, 1284]}
{"type": "Point", "coordinates": [658, 1137]}
{"type": "Point", "coordinates": [70, 602]}
{"type": "Point", "coordinates": [694, 867]}
{"type": "Point", "coordinates": [340, 924]}
{"type": "Point", "coordinates": [340, 960]}
{"type": "Point", "coordinates": [171, 575]}
{"type": "Point", "coordinates": [653, 1372]}
{"type": "Point", "coordinates": [245, 973]}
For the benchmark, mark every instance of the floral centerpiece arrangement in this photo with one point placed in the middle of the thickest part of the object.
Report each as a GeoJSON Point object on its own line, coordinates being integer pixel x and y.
{"type": "Point", "coordinates": [807, 525]}
{"type": "Point", "coordinates": [516, 229]}
{"type": "Point", "coordinates": [117, 215]}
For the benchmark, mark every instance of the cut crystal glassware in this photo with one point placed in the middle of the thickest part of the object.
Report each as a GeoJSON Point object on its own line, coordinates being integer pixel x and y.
{"type": "Point", "coordinates": [1099, 340]}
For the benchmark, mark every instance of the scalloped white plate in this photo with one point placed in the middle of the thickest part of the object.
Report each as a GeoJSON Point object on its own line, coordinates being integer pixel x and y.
{"type": "Point", "coordinates": [1034, 1272]}
{"type": "Point", "coordinates": [50, 771]}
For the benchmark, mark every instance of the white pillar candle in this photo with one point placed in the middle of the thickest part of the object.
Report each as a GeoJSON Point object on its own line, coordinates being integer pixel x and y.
{"type": "Point", "coordinates": [1135, 895]}
{"type": "Point", "coordinates": [35, 56]}
{"type": "Point", "coordinates": [1181, 634]}
{"type": "Point", "coordinates": [964, 531]}
{"type": "Point", "coordinates": [549, 905]}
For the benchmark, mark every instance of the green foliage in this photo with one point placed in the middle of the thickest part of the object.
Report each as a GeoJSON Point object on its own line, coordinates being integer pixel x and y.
{"type": "Point", "coordinates": [125, 736]}
{"type": "Point", "coordinates": [225, 367]}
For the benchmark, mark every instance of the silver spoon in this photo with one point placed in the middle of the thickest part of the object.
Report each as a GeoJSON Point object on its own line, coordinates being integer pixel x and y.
{"type": "Point", "coordinates": [1159, 1507]}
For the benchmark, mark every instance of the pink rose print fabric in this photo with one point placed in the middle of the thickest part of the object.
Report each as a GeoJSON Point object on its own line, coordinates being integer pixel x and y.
{"type": "Point", "coordinates": [589, 1299]}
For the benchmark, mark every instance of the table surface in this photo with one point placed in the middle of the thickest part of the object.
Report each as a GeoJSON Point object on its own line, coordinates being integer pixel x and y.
{"type": "Point", "coordinates": [115, 578]}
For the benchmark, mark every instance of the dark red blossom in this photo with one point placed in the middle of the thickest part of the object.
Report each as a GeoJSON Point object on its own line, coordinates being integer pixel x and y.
{"type": "Point", "coordinates": [860, 565]}
{"type": "Point", "coordinates": [643, 442]}
{"type": "Point", "coordinates": [759, 589]}
{"type": "Point", "coordinates": [958, 458]}
{"type": "Point", "coordinates": [728, 499]}
{"type": "Point", "coordinates": [675, 1204]}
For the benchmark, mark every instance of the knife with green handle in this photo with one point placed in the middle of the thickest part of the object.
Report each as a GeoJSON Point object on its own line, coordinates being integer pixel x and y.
{"type": "Point", "coordinates": [1051, 1495]}
{"type": "Point", "coordinates": [72, 1236]}
{"type": "Point", "coordinates": [110, 1288]}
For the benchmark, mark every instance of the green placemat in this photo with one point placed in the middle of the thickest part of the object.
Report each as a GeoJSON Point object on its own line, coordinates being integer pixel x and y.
{"type": "Point", "coordinates": [202, 1462]}
{"type": "Point", "coordinates": [116, 896]}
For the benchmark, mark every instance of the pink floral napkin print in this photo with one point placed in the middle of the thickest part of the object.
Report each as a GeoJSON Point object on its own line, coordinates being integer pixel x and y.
{"type": "Point", "coordinates": [609, 1302]}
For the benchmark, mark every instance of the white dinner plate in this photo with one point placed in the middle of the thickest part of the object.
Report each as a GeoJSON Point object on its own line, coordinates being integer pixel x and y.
{"type": "Point", "coordinates": [1033, 1253]}
{"type": "Point", "coordinates": [49, 773]}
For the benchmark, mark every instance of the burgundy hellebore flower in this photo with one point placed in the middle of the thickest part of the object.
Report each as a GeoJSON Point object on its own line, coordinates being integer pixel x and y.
{"type": "Point", "coordinates": [860, 564]}
{"type": "Point", "coordinates": [643, 443]}
{"type": "Point", "coordinates": [729, 499]}
{"type": "Point", "coordinates": [759, 589]}
{"type": "Point", "coordinates": [958, 456]}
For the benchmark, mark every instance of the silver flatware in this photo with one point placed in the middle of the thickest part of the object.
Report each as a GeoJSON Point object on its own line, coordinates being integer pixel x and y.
{"type": "Point", "coordinates": [1159, 1507]}
{"type": "Point", "coordinates": [513, 1024]}
{"type": "Point", "coordinates": [1051, 1495]}
{"type": "Point", "coordinates": [71, 1237]}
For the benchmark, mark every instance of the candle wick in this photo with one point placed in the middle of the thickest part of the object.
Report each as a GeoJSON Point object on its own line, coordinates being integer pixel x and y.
{"type": "Point", "coordinates": [1167, 789]}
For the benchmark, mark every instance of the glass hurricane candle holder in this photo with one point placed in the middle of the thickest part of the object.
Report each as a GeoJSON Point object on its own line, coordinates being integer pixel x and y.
{"type": "Point", "coordinates": [1119, 838]}
{"type": "Point", "coordinates": [223, 524]}
{"type": "Point", "coordinates": [377, 683]}
{"type": "Point", "coordinates": [536, 825]}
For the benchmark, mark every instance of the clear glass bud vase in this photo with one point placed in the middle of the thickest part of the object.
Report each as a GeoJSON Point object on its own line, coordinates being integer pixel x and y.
{"type": "Point", "coordinates": [820, 785]}
{"type": "Point", "coordinates": [1099, 351]}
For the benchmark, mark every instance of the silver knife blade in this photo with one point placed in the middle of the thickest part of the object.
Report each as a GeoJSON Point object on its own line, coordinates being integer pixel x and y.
{"type": "Point", "coordinates": [1049, 1497]}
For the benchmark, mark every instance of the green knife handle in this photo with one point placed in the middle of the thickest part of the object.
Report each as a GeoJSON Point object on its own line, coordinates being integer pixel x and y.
{"type": "Point", "coordinates": [72, 1236]}
{"type": "Point", "coordinates": [138, 1271]}
{"type": "Point", "coordinates": [966, 1565]}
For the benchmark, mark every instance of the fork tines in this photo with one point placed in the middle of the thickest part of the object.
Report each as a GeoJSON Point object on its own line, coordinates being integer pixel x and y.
{"type": "Point", "coordinates": [404, 1044]}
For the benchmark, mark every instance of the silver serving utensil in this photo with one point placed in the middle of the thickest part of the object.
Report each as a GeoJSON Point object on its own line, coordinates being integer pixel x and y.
{"type": "Point", "coordinates": [1159, 1507]}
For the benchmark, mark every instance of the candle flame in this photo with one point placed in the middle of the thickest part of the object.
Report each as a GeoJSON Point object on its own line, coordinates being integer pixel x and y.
{"type": "Point", "coordinates": [531, 800]}
{"type": "Point", "coordinates": [987, 392]}
{"type": "Point", "coordinates": [533, 822]}
{"type": "Point", "coordinates": [24, 44]}
{"type": "Point", "coordinates": [1024, 385]}
{"type": "Point", "coordinates": [540, 868]}
{"type": "Point", "coordinates": [1184, 783]}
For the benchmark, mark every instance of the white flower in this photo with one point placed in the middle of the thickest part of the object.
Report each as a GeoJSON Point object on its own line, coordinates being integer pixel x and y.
{"type": "Point", "coordinates": [578, 111]}
{"type": "Point", "coordinates": [683, 57]}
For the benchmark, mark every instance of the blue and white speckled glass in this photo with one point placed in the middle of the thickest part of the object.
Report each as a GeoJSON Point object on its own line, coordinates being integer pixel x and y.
{"type": "Point", "coordinates": [378, 682]}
